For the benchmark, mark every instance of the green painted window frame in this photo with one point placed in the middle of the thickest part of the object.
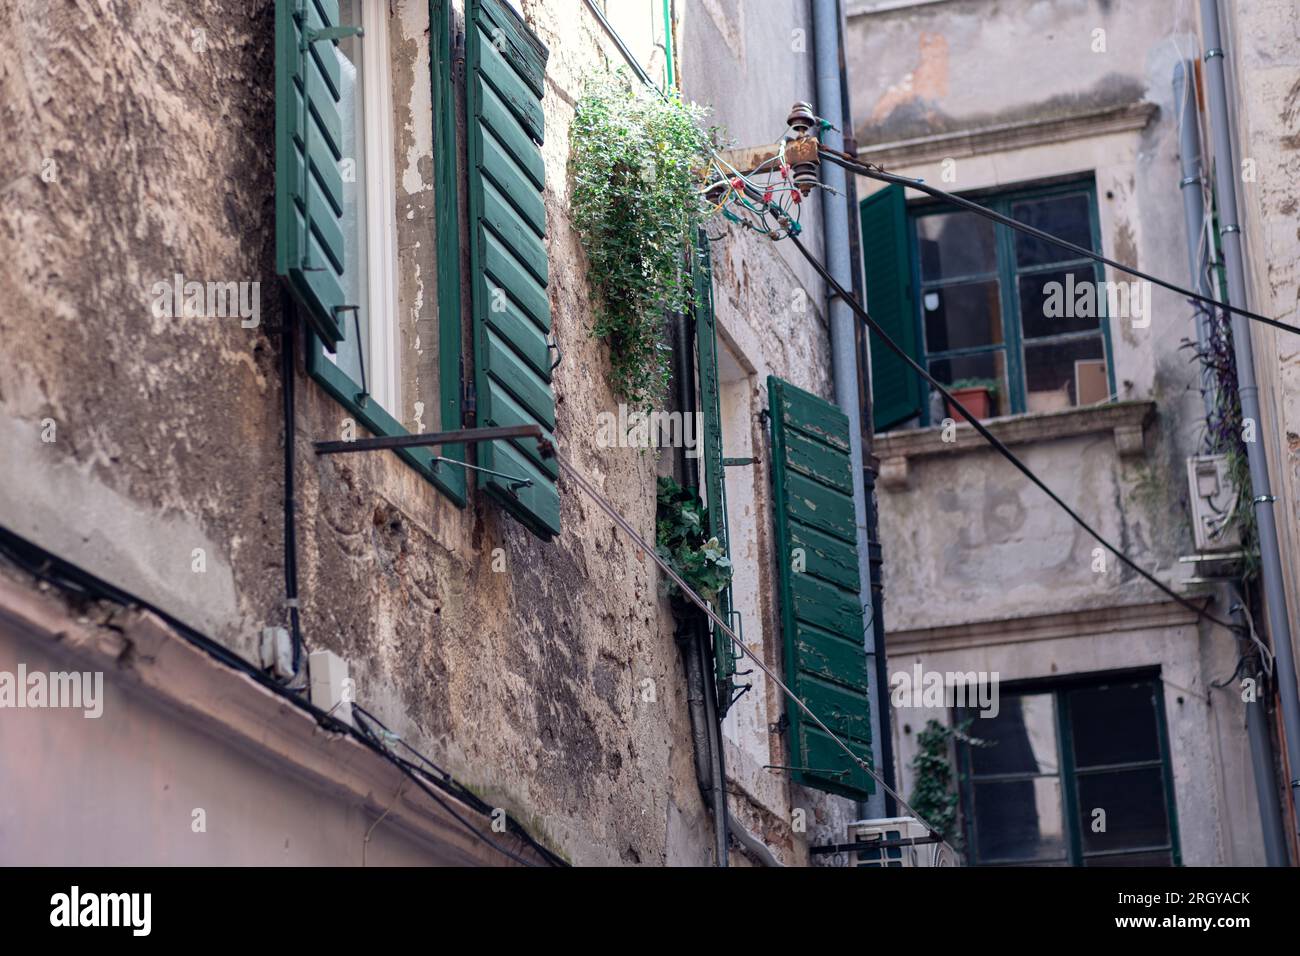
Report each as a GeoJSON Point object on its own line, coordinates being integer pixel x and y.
{"type": "Point", "coordinates": [1007, 274]}
{"type": "Point", "coordinates": [446, 477]}
{"type": "Point", "coordinates": [1067, 773]}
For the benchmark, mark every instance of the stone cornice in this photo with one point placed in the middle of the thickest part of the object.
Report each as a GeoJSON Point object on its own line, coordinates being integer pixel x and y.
{"type": "Point", "coordinates": [1003, 137]}
{"type": "Point", "coordinates": [1126, 420]}
{"type": "Point", "coordinates": [1087, 622]}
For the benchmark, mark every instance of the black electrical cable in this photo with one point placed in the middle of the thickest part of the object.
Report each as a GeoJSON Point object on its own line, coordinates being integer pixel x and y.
{"type": "Point", "coordinates": [995, 442]}
{"type": "Point", "coordinates": [417, 774]}
{"type": "Point", "coordinates": [288, 329]}
{"type": "Point", "coordinates": [69, 578]}
{"type": "Point", "coordinates": [875, 172]}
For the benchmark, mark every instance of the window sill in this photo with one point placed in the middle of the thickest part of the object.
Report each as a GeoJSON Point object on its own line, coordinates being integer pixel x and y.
{"type": "Point", "coordinates": [1127, 421]}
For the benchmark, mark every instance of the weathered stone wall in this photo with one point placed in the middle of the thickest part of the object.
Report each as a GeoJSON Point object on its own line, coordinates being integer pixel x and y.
{"type": "Point", "coordinates": [1263, 41]}
{"type": "Point", "coordinates": [982, 572]}
{"type": "Point", "coordinates": [153, 126]}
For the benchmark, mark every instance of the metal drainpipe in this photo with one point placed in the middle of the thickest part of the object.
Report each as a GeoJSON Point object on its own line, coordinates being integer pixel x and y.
{"type": "Point", "coordinates": [1198, 259]}
{"type": "Point", "coordinates": [706, 732]}
{"type": "Point", "coordinates": [1261, 756]}
{"type": "Point", "coordinates": [870, 464]}
{"type": "Point", "coordinates": [835, 228]}
{"type": "Point", "coordinates": [1279, 624]}
{"type": "Point", "coordinates": [1198, 252]}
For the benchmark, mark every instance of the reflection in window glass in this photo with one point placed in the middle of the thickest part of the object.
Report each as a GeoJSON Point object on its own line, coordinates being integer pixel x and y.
{"type": "Point", "coordinates": [1060, 302]}
{"type": "Point", "coordinates": [1020, 820]}
{"type": "Point", "coordinates": [1107, 803]}
{"type": "Point", "coordinates": [1020, 739]}
{"type": "Point", "coordinates": [1133, 802]}
{"type": "Point", "coordinates": [1063, 374]}
{"type": "Point", "coordinates": [1065, 216]}
{"type": "Point", "coordinates": [956, 244]}
{"type": "Point", "coordinates": [962, 316]}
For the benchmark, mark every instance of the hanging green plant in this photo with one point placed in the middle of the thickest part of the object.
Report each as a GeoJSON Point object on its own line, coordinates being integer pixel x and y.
{"type": "Point", "coordinates": [680, 523]}
{"type": "Point", "coordinates": [636, 160]}
{"type": "Point", "coordinates": [934, 797]}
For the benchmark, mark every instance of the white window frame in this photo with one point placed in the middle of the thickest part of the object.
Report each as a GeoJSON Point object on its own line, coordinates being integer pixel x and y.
{"type": "Point", "coordinates": [384, 379]}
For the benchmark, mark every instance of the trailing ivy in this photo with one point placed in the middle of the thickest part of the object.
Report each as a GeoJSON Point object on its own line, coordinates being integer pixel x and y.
{"type": "Point", "coordinates": [934, 797]}
{"type": "Point", "coordinates": [680, 523]}
{"type": "Point", "coordinates": [635, 160]}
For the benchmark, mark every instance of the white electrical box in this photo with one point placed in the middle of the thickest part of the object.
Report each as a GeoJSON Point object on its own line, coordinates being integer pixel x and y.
{"type": "Point", "coordinates": [1213, 499]}
{"type": "Point", "coordinates": [331, 688]}
{"type": "Point", "coordinates": [887, 834]}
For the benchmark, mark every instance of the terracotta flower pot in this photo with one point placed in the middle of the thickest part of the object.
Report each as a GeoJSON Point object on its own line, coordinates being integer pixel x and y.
{"type": "Point", "coordinates": [978, 402]}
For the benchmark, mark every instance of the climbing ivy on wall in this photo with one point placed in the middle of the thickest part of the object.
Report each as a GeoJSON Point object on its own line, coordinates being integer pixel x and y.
{"type": "Point", "coordinates": [636, 161]}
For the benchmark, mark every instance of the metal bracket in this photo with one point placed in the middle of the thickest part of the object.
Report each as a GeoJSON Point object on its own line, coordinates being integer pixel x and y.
{"type": "Point", "coordinates": [738, 462]}
{"type": "Point", "coordinates": [332, 33]}
{"type": "Point", "coordinates": [824, 773]}
{"type": "Point", "coordinates": [463, 436]}
{"type": "Point", "coordinates": [515, 482]}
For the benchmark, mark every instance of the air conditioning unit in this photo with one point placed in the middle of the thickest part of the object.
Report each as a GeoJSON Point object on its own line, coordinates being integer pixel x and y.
{"type": "Point", "coordinates": [1213, 499]}
{"type": "Point", "coordinates": [887, 844]}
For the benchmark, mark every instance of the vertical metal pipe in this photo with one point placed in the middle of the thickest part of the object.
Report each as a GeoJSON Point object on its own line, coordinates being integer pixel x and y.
{"type": "Point", "coordinates": [1190, 184]}
{"type": "Point", "coordinates": [1261, 756]}
{"type": "Point", "coordinates": [1279, 624]}
{"type": "Point", "coordinates": [835, 226]}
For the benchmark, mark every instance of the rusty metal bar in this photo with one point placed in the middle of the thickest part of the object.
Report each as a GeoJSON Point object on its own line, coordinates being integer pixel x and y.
{"type": "Point", "coordinates": [463, 436]}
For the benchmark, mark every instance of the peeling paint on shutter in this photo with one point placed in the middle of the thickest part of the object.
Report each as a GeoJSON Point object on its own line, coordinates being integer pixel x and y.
{"type": "Point", "coordinates": [505, 65]}
{"type": "Point", "coordinates": [308, 147]}
{"type": "Point", "coordinates": [817, 574]}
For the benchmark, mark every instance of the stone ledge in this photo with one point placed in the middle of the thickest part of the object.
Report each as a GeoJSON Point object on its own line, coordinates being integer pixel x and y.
{"type": "Point", "coordinates": [1127, 421]}
{"type": "Point", "coordinates": [1003, 137]}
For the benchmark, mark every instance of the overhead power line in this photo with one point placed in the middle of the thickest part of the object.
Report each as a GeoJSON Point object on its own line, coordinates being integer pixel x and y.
{"type": "Point", "coordinates": [603, 503]}
{"type": "Point", "coordinates": [875, 172]}
{"type": "Point", "coordinates": [997, 443]}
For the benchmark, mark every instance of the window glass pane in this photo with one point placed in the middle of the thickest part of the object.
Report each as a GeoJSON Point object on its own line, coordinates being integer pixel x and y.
{"type": "Point", "coordinates": [349, 52]}
{"type": "Point", "coordinates": [1020, 739]}
{"type": "Point", "coordinates": [1063, 216]}
{"type": "Point", "coordinates": [962, 316]}
{"type": "Point", "coordinates": [956, 244]}
{"type": "Point", "coordinates": [964, 370]}
{"type": "Point", "coordinates": [1114, 724]}
{"type": "Point", "coordinates": [1065, 374]}
{"type": "Point", "coordinates": [1019, 820]}
{"type": "Point", "coordinates": [1054, 303]}
{"type": "Point", "coordinates": [1134, 806]}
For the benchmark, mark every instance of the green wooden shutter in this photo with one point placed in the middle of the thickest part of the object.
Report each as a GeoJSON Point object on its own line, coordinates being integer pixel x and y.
{"type": "Point", "coordinates": [817, 573]}
{"type": "Point", "coordinates": [508, 261]}
{"type": "Point", "coordinates": [896, 392]}
{"type": "Point", "coordinates": [308, 148]}
{"type": "Point", "coordinates": [706, 354]}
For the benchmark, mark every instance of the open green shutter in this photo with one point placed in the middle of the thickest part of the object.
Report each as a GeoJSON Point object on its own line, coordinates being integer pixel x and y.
{"type": "Point", "coordinates": [508, 260]}
{"type": "Point", "coordinates": [308, 148]}
{"type": "Point", "coordinates": [817, 574]}
{"type": "Point", "coordinates": [706, 353]}
{"type": "Point", "coordinates": [886, 251]}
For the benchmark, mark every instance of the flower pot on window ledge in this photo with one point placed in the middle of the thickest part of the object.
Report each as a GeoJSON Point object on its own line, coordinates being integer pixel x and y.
{"type": "Point", "coordinates": [978, 397]}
